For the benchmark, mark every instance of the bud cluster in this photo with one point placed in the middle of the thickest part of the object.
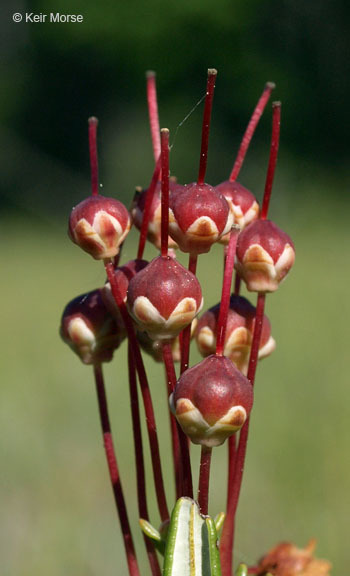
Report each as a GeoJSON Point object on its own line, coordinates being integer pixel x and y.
{"type": "Point", "coordinates": [156, 303]}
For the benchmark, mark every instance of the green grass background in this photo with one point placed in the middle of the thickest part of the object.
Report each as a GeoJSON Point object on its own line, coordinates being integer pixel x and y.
{"type": "Point", "coordinates": [57, 510]}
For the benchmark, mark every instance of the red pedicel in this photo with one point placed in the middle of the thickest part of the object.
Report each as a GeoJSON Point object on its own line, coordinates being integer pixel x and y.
{"type": "Point", "coordinates": [239, 333]}
{"type": "Point", "coordinates": [198, 217]}
{"type": "Point", "coordinates": [164, 298]}
{"type": "Point", "coordinates": [212, 400]}
{"type": "Point", "coordinates": [89, 329]}
{"type": "Point", "coordinates": [99, 225]}
{"type": "Point", "coordinates": [265, 254]}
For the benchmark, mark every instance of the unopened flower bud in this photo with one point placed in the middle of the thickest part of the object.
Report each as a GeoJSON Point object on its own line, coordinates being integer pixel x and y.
{"type": "Point", "coordinates": [265, 254]}
{"type": "Point", "coordinates": [239, 333]}
{"type": "Point", "coordinates": [154, 224]}
{"type": "Point", "coordinates": [285, 559]}
{"type": "Point", "coordinates": [198, 216]}
{"type": "Point", "coordinates": [155, 347]}
{"type": "Point", "coordinates": [99, 225]}
{"type": "Point", "coordinates": [212, 400]}
{"type": "Point", "coordinates": [123, 275]}
{"type": "Point", "coordinates": [164, 298]}
{"type": "Point", "coordinates": [243, 204]}
{"type": "Point", "coordinates": [89, 329]}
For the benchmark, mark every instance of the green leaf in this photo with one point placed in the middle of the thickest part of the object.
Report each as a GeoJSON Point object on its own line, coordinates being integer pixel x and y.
{"type": "Point", "coordinates": [149, 530]}
{"type": "Point", "coordinates": [191, 548]}
{"type": "Point", "coordinates": [219, 521]}
{"type": "Point", "coordinates": [153, 534]}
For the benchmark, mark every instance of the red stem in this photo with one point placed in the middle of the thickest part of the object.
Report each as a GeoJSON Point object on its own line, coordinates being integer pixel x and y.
{"type": "Point", "coordinates": [147, 209]}
{"type": "Point", "coordinates": [203, 485]}
{"type": "Point", "coordinates": [93, 123]}
{"type": "Point", "coordinates": [212, 73]}
{"type": "Point", "coordinates": [164, 137]}
{"type": "Point", "coordinates": [139, 461]}
{"type": "Point", "coordinates": [185, 475]}
{"type": "Point", "coordinates": [114, 472]}
{"type": "Point", "coordinates": [153, 112]}
{"type": "Point", "coordinates": [243, 439]}
{"type": "Point", "coordinates": [248, 135]}
{"type": "Point", "coordinates": [227, 536]}
{"type": "Point", "coordinates": [226, 291]}
{"type": "Point", "coordinates": [186, 333]}
{"type": "Point", "coordinates": [237, 287]}
{"type": "Point", "coordinates": [171, 381]}
{"type": "Point", "coordinates": [275, 139]}
{"type": "Point", "coordinates": [146, 395]}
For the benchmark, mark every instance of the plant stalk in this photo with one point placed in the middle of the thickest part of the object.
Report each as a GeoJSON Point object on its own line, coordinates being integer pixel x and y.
{"type": "Point", "coordinates": [146, 395]}
{"type": "Point", "coordinates": [114, 471]}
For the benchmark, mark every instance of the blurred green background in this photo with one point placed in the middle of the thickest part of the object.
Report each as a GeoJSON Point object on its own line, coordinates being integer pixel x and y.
{"type": "Point", "coordinates": [57, 511]}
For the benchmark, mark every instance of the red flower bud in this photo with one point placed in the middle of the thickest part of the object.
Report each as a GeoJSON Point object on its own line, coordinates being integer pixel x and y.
{"type": "Point", "coordinates": [99, 225]}
{"type": "Point", "coordinates": [154, 225]}
{"type": "Point", "coordinates": [286, 559]}
{"type": "Point", "coordinates": [265, 254]}
{"type": "Point", "coordinates": [212, 400]}
{"type": "Point", "coordinates": [155, 347]}
{"type": "Point", "coordinates": [89, 329]}
{"type": "Point", "coordinates": [123, 275]}
{"type": "Point", "coordinates": [164, 298]}
{"type": "Point", "coordinates": [198, 217]}
{"type": "Point", "coordinates": [239, 333]}
{"type": "Point", "coordinates": [243, 204]}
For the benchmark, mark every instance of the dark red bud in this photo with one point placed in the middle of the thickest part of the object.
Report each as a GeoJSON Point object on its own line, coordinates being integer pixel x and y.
{"type": "Point", "coordinates": [239, 333]}
{"type": "Point", "coordinates": [164, 298]}
{"type": "Point", "coordinates": [212, 400]}
{"type": "Point", "coordinates": [99, 225]}
{"type": "Point", "coordinates": [154, 226]}
{"type": "Point", "coordinates": [123, 275]}
{"type": "Point", "coordinates": [89, 329]}
{"type": "Point", "coordinates": [265, 255]}
{"type": "Point", "coordinates": [198, 217]}
{"type": "Point", "coordinates": [242, 202]}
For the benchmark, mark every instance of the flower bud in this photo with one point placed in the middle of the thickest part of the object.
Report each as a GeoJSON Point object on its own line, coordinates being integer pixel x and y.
{"type": "Point", "coordinates": [239, 333]}
{"type": "Point", "coordinates": [265, 254]}
{"type": "Point", "coordinates": [89, 329]}
{"type": "Point", "coordinates": [99, 225]}
{"type": "Point", "coordinates": [154, 225]}
{"type": "Point", "coordinates": [164, 298]}
{"type": "Point", "coordinates": [123, 275]}
{"type": "Point", "coordinates": [243, 204]}
{"type": "Point", "coordinates": [285, 559]}
{"type": "Point", "coordinates": [155, 348]}
{"type": "Point", "coordinates": [212, 400]}
{"type": "Point", "coordinates": [198, 216]}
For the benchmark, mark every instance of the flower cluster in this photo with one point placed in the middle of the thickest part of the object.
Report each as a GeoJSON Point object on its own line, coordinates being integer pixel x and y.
{"type": "Point", "coordinates": [155, 304]}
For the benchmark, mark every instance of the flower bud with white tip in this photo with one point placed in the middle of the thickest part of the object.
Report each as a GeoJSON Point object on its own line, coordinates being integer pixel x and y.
{"type": "Point", "coordinates": [123, 275]}
{"type": "Point", "coordinates": [155, 347]}
{"type": "Point", "coordinates": [243, 204]}
{"type": "Point", "coordinates": [198, 217]}
{"type": "Point", "coordinates": [99, 225]}
{"type": "Point", "coordinates": [265, 254]}
{"type": "Point", "coordinates": [164, 298]}
{"type": "Point", "coordinates": [239, 333]}
{"type": "Point", "coordinates": [89, 329]}
{"type": "Point", "coordinates": [155, 213]}
{"type": "Point", "coordinates": [212, 400]}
